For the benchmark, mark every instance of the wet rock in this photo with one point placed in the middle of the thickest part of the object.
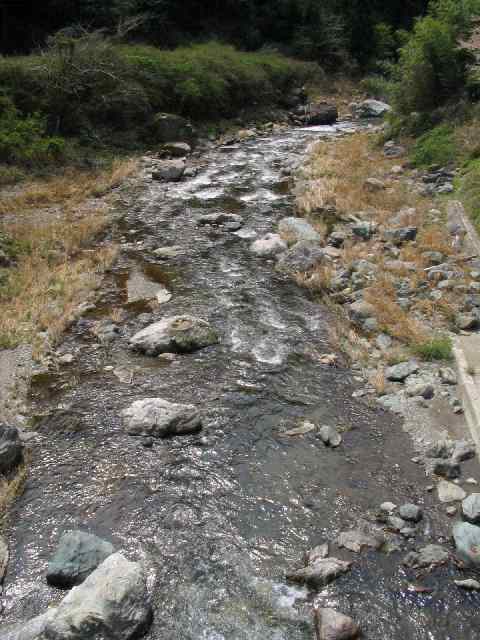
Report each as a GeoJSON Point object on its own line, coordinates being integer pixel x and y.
{"type": "Point", "coordinates": [468, 585]}
{"type": "Point", "coordinates": [467, 542]}
{"type": "Point", "coordinates": [330, 436]}
{"type": "Point", "coordinates": [176, 149]}
{"type": "Point", "coordinates": [319, 552]}
{"type": "Point", "coordinates": [159, 418]}
{"type": "Point", "coordinates": [294, 230]}
{"type": "Point", "coordinates": [169, 170]}
{"type": "Point", "coordinates": [447, 376]}
{"type": "Point", "coordinates": [300, 258]}
{"type": "Point", "coordinates": [322, 113]}
{"type": "Point", "coordinates": [11, 449]}
{"type": "Point", "coordinates": [400, 372]}
{"type": "Point", "coordinates": [370, 109]}
{"type": "Point", "coordinates": [471, 508]}
{"type": "Point", "coordinates": [111, 603]}
{"type": "Point", "coordinates": [177, 334]}
{"type": "Point", "coordinates": [374, 185]}
{"type": "Point", "coordinates": [4, 556]}
{"type": "Point", "coordinates": [411, 512]}
{"type": "Point", "coordinates": [164, 253]}
{"type": "Point", "coordinates": [431, 555]}
{"type": "Point", "coordinates": [269, 246]}
{"type": "Point", "coordinates": [446, 469]}
{"type": "Point", "coordinates": [357, 540]}
{"type": "Point", "coordinates": [169, 127]}
{"type": "Point", "coordinates": [78, 554]}
{"type": "Point", "coordinates": [31, 630]}
{"type": "Point", "coordinates": [449, 492]}
{"type": "Point", "coordinates": [320, 573]}
{"type": "Point", "coordinates": [229, 221]}
{"type": "Point", "coordinates": [332, 625]}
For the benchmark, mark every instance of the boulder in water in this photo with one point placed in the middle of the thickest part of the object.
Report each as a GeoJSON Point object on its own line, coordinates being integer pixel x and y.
{"type": "Point", "coordinates": [11, 449]}
{"type": "Point", "coordinates": [332, 625]}
{"type": "Point", "coordinates": [78, 554]}
{"type": "Point", "coordinates": [320, 573]}
{"type": "Point", "coordinates": [322, 113]}
{"type": "Point", "coordinates": [111, 604]}
{"type": "Point", "coordinates": [169, 170]}
{"type": "Point", "coordinates": [228, 221]}
{"type": "Point", "coordinates": [175, 334]}
{"type": "Point", "coordinates": [160, 418]}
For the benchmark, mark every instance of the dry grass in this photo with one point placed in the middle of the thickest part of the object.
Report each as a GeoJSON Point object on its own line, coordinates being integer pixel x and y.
{"type": "Point", "coordinates": [55, 222]}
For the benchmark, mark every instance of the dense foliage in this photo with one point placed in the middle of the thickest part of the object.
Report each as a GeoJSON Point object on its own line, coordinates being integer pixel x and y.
{"type": "Point", "coordinates": [324, 30]}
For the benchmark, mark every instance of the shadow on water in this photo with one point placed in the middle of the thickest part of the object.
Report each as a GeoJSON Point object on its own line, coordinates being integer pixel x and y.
{"type": "Point", "coordinates": [219, 517]}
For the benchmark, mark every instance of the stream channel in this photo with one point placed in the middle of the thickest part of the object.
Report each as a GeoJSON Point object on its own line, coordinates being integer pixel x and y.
{"type": "Point", "coordinates": [219, 517]}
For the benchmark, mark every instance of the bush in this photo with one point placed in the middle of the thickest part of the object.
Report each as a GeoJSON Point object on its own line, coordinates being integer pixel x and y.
{"type": "Point", "coordinates": [437, 348]}
{"type": "Point", "coordinates": [469, 190]}
{"type": "Point", "coordinates": [435, 147]}
{"type": "Point", "coordinates": [24, 140]}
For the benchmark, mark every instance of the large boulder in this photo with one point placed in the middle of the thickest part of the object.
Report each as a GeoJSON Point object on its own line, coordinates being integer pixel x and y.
{"type": "Point", "coordinates": [300, 258]}
{"type": "Point", "coordinates": [294, 230]}
{"type": "Point", "coordinates": [467, 541]}
{"type": "Point", "coordinates": [179, 334]}
{"type": "Point", "coordinates": [322, 113]}
{"type": "Point", "coordinates": [11, 449]}
{"type": "Point", "coordinates": [471, 508]}
{"type": "Point", "coordinates": [269, 246]}
{"type": "Point", "coordinates": [31, 630]}
{"type": "Point", "coordinates": [161, 418]}
{"type": "Point", "coordinates": [332, 625]}
{"type": "Point", "coordinates": [168, 127]}
{"type": "Point", "coordinates": [78, 554]}
{"type": "Point", "coordinates": [112, 604]}
{"type": "Point", "coordinates": [169, 170]}
{"type": "Point", "coordinates": [370, 109]}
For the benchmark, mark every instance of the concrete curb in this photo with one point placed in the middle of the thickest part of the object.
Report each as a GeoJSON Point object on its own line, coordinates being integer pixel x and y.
{"type": "Point", "coordinates": [469, 388]}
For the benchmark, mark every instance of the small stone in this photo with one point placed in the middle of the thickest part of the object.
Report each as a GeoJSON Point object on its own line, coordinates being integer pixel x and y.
{"type": "Point", "coordinates": [411, 512]}
{"type": "Point", "coordinates": [388, 507]}
{"type": "Point", "coordinates": [330, 436]}
{"type": "Point", "coordinates": [374, 185]}
{"type": "Point", "coordinates": [449, 492]}
{"type": "Point", "coordinates": [383, 342]}
{"type": "Point", "coordinates": [67, 358]}
{"type": "Point", "coordinates": [332, 625]}
{"type": "Point", "coordinates": [147, 443]}
{"type": "Point", "coordinates": [269, 246]}
{"type": "Point", "coordinates": [430, 555]}
{"type": "Point", "coordinates": [463, 451]}
{"type": "Point", "coordinates": [451, 511]}
{"type": "Point", "coordinates": [469, 584]}
{"type": "Point", "coordinates": [471, 508]}
{"type": "Point", "coordinates": [424, 390]}
{"type": "Point", "coordinates": [448, 376]}
{"type": "Point", "coordinates": [471, 481]}
{"type": "Point", "coordinates": [400, 372]}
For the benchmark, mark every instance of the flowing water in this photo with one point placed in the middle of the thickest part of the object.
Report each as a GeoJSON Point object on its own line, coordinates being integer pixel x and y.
{"type": "Point", "coordinates": [218, 518]}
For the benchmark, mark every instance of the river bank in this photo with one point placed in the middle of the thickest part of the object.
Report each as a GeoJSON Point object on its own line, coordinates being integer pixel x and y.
{"type": "Point", "coordinates": [218, 518]}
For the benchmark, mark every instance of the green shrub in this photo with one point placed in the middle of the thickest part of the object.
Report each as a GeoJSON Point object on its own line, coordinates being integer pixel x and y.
{"type": "Point", "coordinates": [24, 140]}
{"type": "Point", "coordinates": [469, 190]}
{"type": "Point", "coordinates": [377, 87]}
{"type": "Point", "coordinates": [435, 147]}
{"type": "Point", "coordinates": [437, 348]}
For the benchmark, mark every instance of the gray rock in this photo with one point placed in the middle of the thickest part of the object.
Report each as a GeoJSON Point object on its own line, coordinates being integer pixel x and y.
{"type": "Point", "coordinates": [364, 230]}
{"type": "Point", "coordinates": [449, 492]}
{"type": "Point", "coordinates": [337, 239]}
{"type": "Point", "coordinates": [160, 418]}
{"type": "Point", "coordinates": [11, 449]}
{"type": "Point", "coordinates": [230, 221]}
{"type": "Point", "coordinates": [471, 508]}
{"type": "Point", "coordinates": [31, 630]}
{"type": "Point", "coordinates": [467, 542]}
{"type": "Point", "coordinates": [269, 246]}
{"type": "Point", "coordinates": [370, 109]}
{"type": "Point", "coordinates": [295, 230]}
{"type": "Point", "coordinates": [440, 449]}
{"type": "Point", "coordinates": [169, 170]}
{"type": "Point", "coordinates": [402, 235]}
{"type": "Point", "coordinates": [112, 604]}
{"type": "Point", "coordinates": [374, 185]}
{"type": "Point", "coordinates": [431, 555]}
{"type": "Point", "coordinates": [175, 334]}
{"type": "Point", "coordinates": [4, 557]}
{"type": "Point", "coordinates": [411, 512]}
{"type": "Point", "coordinates": [388, 507]}
{"type": "Point", "coordinates": [361, 310]}
{"type": "Point", "coordinates": [420, 389]}
{"type": "Point", "coordinates": [164, 253]}
{"type": "Point", "coordinates": [169, 127]}
{"type": "Point", "coordinates": [467, 321]}
{"type": "Point", "coordinates": [300, 258]}
{"type": "Point", "coordinates": [319, 552]}
{"type": "Point", "coordinates": [177, 149]}
{"type": "Point", "coordinates": [78, 554]}
{"type": "Point", "coordinates": [446, 469]}
{"type": "Point", "coordinates": [463, 451]}
{"type": "Point", "coordinates": [320, 573]}
{"type": "Point", "coordinates": [330, 436]}
{"type": "Point", "coordinates": [396, 523]}
{"type": "Point", "coordinates": [356, 540]}
{"type": "Point", "coordinates": [400, 372]}
{"type": "Point", "coordinates": [433, 257]}
{"type": "Point", "coordinates": [469, 584]}
{"type": "Point", "coordinates": [383, 342]}
{"type": "Point", "coordinates": [447, 376]}
{"type": "Point", "coordinates": [332, 625]}
{"type": "Point", "coordinates": [322, 113]}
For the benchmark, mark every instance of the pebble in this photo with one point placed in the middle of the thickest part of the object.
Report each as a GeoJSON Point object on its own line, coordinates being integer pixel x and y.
{"type": "Point", "coordinates": [411, 512]}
